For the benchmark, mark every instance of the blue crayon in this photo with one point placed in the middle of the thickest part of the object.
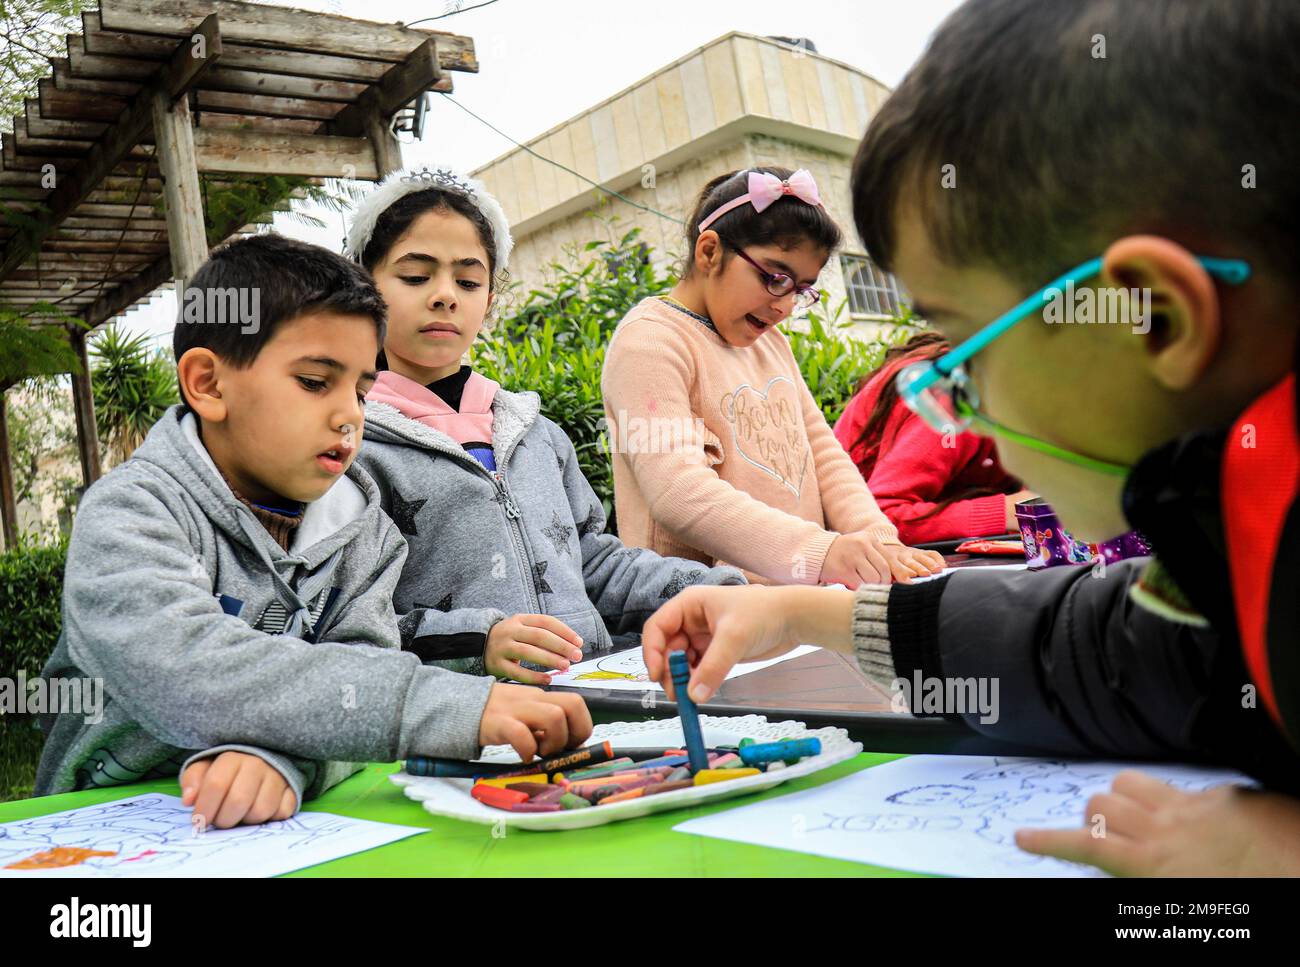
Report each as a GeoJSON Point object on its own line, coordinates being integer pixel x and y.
{"type": "Point", "coordinates": [690, 715]}
{"type": "Point", "coordinates": [788, 750]}
{"type": "Point", "coordinates": [667, 760]}
{"type": "Point", "coordinates": [420, 765]}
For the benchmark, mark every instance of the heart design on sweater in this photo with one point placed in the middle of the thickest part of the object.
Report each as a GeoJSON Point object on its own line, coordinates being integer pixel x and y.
{"type": "Point", "coordinates": [767, 430]}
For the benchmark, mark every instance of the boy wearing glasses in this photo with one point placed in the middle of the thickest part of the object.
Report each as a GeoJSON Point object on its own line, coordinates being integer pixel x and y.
{"type": "Point", "coordinates": [1135, 171]}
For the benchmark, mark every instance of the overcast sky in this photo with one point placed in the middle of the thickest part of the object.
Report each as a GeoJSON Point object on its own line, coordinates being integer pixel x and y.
{"type": "Point", "coordinates": [541, 63]}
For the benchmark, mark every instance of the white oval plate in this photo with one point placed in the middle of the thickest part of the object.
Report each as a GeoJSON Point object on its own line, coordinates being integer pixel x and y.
{"type": "Point", "coordinates": [450, 797]}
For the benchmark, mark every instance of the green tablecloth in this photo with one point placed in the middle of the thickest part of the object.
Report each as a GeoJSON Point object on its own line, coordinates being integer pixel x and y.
{"type": "Point", "coordinates": [637, 847]}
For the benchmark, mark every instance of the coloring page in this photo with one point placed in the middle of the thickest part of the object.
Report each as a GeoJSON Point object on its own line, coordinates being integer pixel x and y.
{"type": "Point", "coordinates": [625, 671]}
{"type": "Point", "coordinates": [953, 815]}
{"type": "Point", "coordinates": [152, 835]}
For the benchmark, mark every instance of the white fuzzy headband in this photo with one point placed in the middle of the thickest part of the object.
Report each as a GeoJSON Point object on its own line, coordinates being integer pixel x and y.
{"type": "Point", "coordinates": [401, 183]}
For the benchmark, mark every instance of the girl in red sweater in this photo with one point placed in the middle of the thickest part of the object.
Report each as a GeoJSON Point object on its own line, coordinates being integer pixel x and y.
{"type": "Point", "coordinates": [933, 487]}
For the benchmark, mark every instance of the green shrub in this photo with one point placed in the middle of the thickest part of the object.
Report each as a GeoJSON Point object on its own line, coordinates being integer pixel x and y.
{"type": "Point", "coordinates": [554, 343]}
{"type": "Point", "coordinates": [31, 592]}
{"type": "Point", "coordinates": [834, 362]}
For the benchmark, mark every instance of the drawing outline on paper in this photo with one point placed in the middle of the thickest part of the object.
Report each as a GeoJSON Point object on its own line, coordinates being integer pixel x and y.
{"type": "Point", "coordinates": [951, 815]}
{"type": "Point", "coordinates": [628, 666]}
{"type": "Point", "coordinates": [152, 833]}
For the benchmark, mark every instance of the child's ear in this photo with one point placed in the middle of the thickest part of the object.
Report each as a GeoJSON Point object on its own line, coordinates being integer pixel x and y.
{"type": "Point", "coordinates": [708, 251]}
{"type": "Point", "coordinates": [198, 374]}
{"type": "Point", "coordinates": [1183, 328]}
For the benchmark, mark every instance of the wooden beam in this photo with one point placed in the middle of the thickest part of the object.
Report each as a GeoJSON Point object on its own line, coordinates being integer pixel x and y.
{"type": "Point", "coordinates": [53, 148]}
{"type": "Point", "coordinates": [280, 85]}
{"type": "Point", "coordinates": [287, 28]}
{"type": "Point", "coordinates": [42, 127]}
{"type": "Point", "coordinates": [64, 80]}
{"type": "Point", "coordinates": [388, 152]}
{"type": "Point", "coordinates": [61, 105]}
{"type": "Point", "coordinates": [246, 152]}
{"type": "Point", "coordinates": [401, 85]}
{"type": "Point", "coordinates": [118, 300]}
{"type": "Point", "coordinates": [8, 505]}
{"type": "Point", "coordinates": [173, 79]}
{"type": "Point", "coordinates": [83, 404]}
{"type": "Point", "coordinates": [183, 200]}
{"type": "Point", "coordinates": [265, 105]}
{"type": "Point", "coordinates": [240, 56]}
{"type": "Point", "coordinates": [92, 66]}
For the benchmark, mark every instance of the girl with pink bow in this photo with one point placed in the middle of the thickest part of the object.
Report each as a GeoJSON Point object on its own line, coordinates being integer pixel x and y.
{"type": "Point", "coordinates": [720, 451]}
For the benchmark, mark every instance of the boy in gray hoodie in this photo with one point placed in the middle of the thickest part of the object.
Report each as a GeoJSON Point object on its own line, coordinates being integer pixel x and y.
{"type": "Point", "coordinates": [510, 569]}
{"type": "Point", "coordinates": [231, 584]}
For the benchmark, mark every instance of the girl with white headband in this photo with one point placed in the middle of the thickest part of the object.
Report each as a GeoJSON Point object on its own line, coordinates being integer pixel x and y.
{"type": "Point", "coordinates": [510, 570]}
{"type": "Point", "coordinates": [757, 479]}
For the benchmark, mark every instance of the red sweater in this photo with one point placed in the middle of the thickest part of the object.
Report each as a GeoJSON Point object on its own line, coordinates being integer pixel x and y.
{"type": "Point", "coordinates": [914, 472]}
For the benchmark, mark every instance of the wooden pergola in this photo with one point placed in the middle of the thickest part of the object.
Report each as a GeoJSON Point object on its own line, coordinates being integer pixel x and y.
{"type": "Point", "coordinates": [158, 101]}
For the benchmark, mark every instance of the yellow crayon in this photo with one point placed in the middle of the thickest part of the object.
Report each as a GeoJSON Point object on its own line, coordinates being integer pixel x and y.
{"type": "Point", "coordinates": [706, 776]}
{"type": "Point", "coordinates": [510, 780]}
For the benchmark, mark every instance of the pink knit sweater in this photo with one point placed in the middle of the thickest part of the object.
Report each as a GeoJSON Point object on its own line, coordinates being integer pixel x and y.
{"type": "Point", "coordinates": [721, 454]}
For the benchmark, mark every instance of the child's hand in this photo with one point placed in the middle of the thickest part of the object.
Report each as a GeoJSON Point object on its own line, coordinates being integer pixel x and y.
{"type": "Point", "coordinates": [718, 627]}
{"type": "Point", "coordinates": [532, 721]}
{"type": "Point", "coordinates": [856, 559]}
{"type": "Point", "coordinates": [538, 638]}
{"type": "Point", "coordinates": [236, 788]}
{"type": "Point", "coordinates": [906, 562]}
{"type": "Point", "coordinates": [1153, 829]}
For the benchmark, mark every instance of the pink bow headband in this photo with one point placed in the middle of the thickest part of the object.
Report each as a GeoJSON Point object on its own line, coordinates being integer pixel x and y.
{"type": "Point", "coordinates": [765, 189]}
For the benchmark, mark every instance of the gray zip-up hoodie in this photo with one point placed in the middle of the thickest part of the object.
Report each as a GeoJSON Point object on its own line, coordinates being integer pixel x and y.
{"type": "Point", "coordinates": [208, 636]}
{"type": "Point", "coordinates": [527, 539]}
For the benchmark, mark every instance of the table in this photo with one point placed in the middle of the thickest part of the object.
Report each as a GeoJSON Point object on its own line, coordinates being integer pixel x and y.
{"type": "Point", "coordinates": [820, 689]}
{"type": "Point", "coordinates": [644, 847]}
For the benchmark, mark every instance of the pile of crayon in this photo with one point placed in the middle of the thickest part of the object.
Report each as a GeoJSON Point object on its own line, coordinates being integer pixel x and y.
{"type": "Point", "coordinates": [595, 776]}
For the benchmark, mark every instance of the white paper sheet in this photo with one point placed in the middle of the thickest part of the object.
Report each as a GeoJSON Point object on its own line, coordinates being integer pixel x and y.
{"type": "Point", "coordinates": [624, 671]}
{"type": "Point", "coordinates": [953, 815]}
{"type": "Point", "coordinates": [152, 835]}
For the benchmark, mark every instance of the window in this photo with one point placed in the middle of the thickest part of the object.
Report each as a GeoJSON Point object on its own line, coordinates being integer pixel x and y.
{"type": "Point", "coordinates": [872, 291]}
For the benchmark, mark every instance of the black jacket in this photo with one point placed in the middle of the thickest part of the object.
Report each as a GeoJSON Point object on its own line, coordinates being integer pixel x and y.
{"type": "Point", "coordinates": [1085, 670]}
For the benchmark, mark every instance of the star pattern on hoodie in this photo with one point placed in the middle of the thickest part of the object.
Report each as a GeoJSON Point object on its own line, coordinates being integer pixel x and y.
{"type": "Point", "coordinates": [539, 577]}
{"type": "Point", "coordinates": [680, 580]}
{"type": "Point", "coordinates": [403, 513]}
{"type": "Point", "coordinates": [592, 524]}
{"type": "Point", "coordinates": [558, 533]}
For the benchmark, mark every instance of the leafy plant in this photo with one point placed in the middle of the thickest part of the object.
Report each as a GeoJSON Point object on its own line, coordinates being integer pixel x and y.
{"type": "Point", "coordinates": [834, 361]}
{"type": "Point", "coordinates": [554, 342]}
{"type": "Point", "coordinates": [133, 385]}
{"type": "Point", "coordinates": [31, 590]}
{"type": "Point", "coordinates": [27, 350]}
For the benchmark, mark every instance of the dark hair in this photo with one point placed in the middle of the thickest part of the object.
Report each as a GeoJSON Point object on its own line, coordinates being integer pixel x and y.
{"type": "Point", "coordinates": [395, 220]}
{"type": "Point", "coordinates": [922, 346]}
{"type": "Point", "coordinates": [287, 277]}
{"type": "Point", "coordinates": [787, 222]}
{"type": "Point", "coordinates": [1057, 151]}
